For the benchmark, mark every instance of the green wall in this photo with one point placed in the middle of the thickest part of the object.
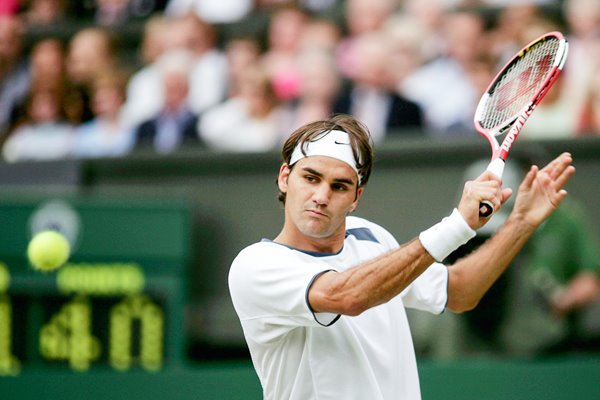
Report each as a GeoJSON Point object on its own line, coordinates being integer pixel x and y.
{"type": "Point", "coordinates": [567, 379]}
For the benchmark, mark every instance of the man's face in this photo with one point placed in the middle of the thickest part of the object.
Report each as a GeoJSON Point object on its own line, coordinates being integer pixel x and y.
{"type": "Point", "coordinates": [320, 192]}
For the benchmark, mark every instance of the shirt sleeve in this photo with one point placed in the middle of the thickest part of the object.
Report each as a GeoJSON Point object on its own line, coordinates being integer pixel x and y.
{"type": "Point", "coordinates": [268, 284]}
{"type": "Point", "coordinates": [429, 292]}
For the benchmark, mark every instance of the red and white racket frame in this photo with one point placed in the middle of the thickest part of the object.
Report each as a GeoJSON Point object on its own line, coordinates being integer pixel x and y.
{"type": "Point", "coordinates": [515, 125]}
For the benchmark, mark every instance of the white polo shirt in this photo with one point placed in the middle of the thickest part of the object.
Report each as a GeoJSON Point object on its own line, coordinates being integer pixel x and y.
{"type": "Point", "coordinates": [301, 355]}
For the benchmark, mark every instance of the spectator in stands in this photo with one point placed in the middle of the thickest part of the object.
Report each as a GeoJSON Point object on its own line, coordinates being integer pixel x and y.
{"type": "Point", "coordinates": [247, 122]}
{"type": "Point", "coordinates": [214, 12]}
{"type": "Point", "coordinates": [43, 133]}
{"type": "Point", "coordinates": [47, 62]}
{"type": "Point", "coordinates": [241, 53]}
{"type": "Point", "coordinates": [314, 6]}
{"type": "Point", "coordinates": [406, 36]}
{"type": "Point", "coordinates": [154, 38]}
{"type": "Point", "coordinates": [145, 95]}
{"type": "Point", "coordinates": [581, 69]}
{"type": "Point", "coordinates": [370, 94]}
{"type": "Point", "coordinates": [286, 25]}
{"type": "Point", "coordinates": [45, 13]}
{"type": "Point", "coordinates": [14, 73]}
{"type": "Point", "coordinates": [443, 87]}
{"type": "Point", "coordinates": [321, 33]}
{"type": "Point", "coordinates": [320, 6]}
{"type": "Point", "coordinates": [208, 79]}
{"type": "Point", "coordinates": [10, 7]}
{"type": "Point", "coordinates": [106, 135]}
{"type": "Point", "coordinates": [320, 82]}
{"type": "Point", "coordinates": [112, 12]}
{"type": "Point", "coordinates": [361, 17]}
{"type": "Point", "coordinates": [589, 122]}
{"type": "Point", "coordinates": [175, 125]}
{"type": "Point", "coordinates": [511, 28]}
{"type": "Point", "coordinates": [557, 117]}
{"type": "Point", "coordinates": [429, 15]}
{"type": "Point", "coordinates": [47, 67]}
{"type": "Point", "coordinates": [90, 50]}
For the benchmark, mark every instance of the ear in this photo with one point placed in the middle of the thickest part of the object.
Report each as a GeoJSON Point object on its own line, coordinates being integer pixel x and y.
{"type": "Point", "coordinates": [282, 178]}
{"type": "Point", "coordinates": [354, 205]}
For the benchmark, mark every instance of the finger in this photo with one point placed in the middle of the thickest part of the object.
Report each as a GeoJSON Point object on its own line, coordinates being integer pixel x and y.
{"type": "Point", "coordinates": [494, 196]}
{"type": "Point", "coordinates": [552, 165]}
{"type": "Point", "coordinates": [564, 177]}
{"type": "Point", "coordinates": [530, 177]}
{"type": "Point", "coordinates": [559, 197]}
{"type": "Point", "coordinates": [556, 195]}
{"type": "Point", "coordinates": [564, 163]}
{"type": "Point", "coordinates": [483, 190]}
{"type": "Point", "coordinates": [487, 176]}
{"type": "Point", "coordinates": [559, 164]}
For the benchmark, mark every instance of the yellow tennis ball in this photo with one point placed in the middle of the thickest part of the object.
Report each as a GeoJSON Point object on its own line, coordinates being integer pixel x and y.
{"type": "Point", "coordinates": [48, 250]}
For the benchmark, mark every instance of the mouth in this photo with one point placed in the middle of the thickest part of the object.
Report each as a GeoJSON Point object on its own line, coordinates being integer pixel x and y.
{"type": "Point", "coordinates": [316, 213]}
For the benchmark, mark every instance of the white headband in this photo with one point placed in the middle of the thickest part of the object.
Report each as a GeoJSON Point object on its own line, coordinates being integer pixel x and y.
{"type": "Point", "coordinates": [335, 144]}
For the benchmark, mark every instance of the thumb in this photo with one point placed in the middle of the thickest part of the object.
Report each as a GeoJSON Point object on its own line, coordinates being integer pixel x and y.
{"type": "Point", "coordinates": [506, 194]}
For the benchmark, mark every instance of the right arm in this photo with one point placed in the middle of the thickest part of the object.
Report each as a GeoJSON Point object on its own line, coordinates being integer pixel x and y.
{"type": "Point", "coordinates": [377, 281]}
{"type": "Point", "coordinates": [370, 284]}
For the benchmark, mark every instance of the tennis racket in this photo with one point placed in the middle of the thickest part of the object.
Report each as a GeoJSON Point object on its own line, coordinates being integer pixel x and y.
{"type": "Point", "coordinates": [513, 95]}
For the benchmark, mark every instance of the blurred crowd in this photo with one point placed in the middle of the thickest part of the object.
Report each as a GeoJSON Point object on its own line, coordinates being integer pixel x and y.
{"type": "Point", "coordinates": [241, 75]}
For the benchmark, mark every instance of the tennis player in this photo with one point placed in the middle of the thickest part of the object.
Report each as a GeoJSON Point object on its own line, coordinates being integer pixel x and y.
{"type": "Point", "coordinates": [322, 305]}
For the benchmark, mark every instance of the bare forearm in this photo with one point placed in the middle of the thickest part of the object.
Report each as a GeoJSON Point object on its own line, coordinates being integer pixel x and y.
{"type": "Point", "coordinates": [470, 277]}
{"type": "Point", "coordinates": [367, 285]}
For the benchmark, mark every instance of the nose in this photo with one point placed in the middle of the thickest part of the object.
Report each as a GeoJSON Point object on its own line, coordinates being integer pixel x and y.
{"type": "Point", "coordinates": [322, 194]}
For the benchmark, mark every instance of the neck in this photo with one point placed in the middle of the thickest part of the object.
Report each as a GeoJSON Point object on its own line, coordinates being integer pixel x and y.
{"type": "Point", "coordinates": [292, 237]}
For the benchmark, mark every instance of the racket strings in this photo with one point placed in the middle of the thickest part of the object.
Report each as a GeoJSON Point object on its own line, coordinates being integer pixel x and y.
{"type": "Point", "coordinates": [519, 83]}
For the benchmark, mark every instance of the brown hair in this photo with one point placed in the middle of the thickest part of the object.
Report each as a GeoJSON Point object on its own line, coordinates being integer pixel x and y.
{"type": "Point", "coordinates": [360, 140]}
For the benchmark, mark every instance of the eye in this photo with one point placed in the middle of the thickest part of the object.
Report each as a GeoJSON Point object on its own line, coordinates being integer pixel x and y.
{"type": "Point", "coordinates": [339, 187]}
{"type": "Point", "coordinates": [310, 178]}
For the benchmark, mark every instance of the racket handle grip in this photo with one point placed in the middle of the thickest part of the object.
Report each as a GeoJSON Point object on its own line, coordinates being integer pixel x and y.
{"type": "Point", "coordinates": [485, 209]}
{"type": "Point", "coordinates": [496, 167]}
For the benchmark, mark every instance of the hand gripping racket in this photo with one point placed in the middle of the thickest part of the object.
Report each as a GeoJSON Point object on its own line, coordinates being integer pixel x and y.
{"type": "Point", "coordinates": [513, 95]}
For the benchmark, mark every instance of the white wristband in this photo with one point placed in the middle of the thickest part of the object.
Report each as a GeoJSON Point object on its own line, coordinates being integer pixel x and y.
{"type": "Point", "coordinates": [446, 236]}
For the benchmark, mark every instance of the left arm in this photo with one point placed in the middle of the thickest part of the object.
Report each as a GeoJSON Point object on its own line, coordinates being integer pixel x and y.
{"type": "Point", "coordinates": [540, 193]}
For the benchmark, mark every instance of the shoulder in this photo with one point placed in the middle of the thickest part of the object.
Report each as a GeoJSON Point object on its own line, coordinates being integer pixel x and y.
{"type": "Point", "coordinates": [85, 134]}
{"type": "Point", "coordinates": [145, 76]}
{"type": "Point", "coordinates": [405, 113]}
{"type": "Point", "coordinates": [264, 251]}
{"type": "Point", "coordinates": [190, 127]}
{"type": "Point", "coordinates": [146, 129]}
{"type": "Point", "coordinates": [87, 129]}
{"type": "Point", "coordinates": [353, 222]}
{"type": "Point", "coordinates": [363, 229]}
